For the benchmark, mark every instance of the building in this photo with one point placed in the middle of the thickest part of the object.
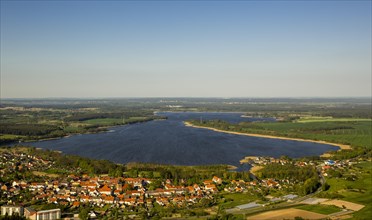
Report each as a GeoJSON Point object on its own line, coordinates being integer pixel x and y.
{"type": "Point", "coordinates": [11, 210]}
{"type": "Point", "coordinates": [50, 214]}
{"type": "Point", "coordinates": [329, 162]}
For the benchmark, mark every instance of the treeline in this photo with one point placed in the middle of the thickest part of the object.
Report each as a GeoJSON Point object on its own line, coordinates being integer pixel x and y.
{"type": "Point", "coordinates": [88, 116]}
{"type": "Point", "coordinates": [27, 129]}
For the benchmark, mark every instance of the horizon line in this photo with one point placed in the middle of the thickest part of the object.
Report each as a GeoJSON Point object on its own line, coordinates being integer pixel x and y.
{"type": "Point", "coordinates": [195, 97]}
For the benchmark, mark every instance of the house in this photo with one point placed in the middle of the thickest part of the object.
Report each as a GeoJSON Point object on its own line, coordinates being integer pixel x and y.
{"type": "Point", "coordinates": [217, 180]}
{"type": "Point", "coordinates": [211, 187]}
{"type": "Point", "coordinates": [11, 210]}
{"type": "Point", "coordinates": [109, 199]}
{"type": "Point", "coordinates": [208, 182]}
{"type": "Point", "coordinates": [28, 212]}
{"type": "Point", "coordinates": [196, 187]}
{"type": "Point", "coordinates": [50, 214]}
{"type": "Point", "coordinates": [130, 201]}
{"type": "Point", "coordinates": [105, 190]}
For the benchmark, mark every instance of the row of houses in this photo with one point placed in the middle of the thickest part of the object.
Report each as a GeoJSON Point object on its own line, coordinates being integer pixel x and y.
{"type": "Point", "coordinates": [102, 190]}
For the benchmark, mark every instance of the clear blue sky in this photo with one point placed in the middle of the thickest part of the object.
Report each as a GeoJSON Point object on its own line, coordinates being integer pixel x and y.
{"type": "Point", "coordinates": [185, 49]}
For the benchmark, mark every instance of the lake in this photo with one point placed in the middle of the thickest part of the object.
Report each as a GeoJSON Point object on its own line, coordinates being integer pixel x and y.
{"type": "Point", "coordinates": [170, 142]}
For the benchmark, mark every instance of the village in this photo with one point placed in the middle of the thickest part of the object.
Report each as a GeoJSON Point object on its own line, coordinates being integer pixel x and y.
{"type": "Point", "coordinates": [102, 192]}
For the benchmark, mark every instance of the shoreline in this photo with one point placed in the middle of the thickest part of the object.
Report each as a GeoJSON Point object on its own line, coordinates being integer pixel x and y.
{"type": "Point", "coordinates": [105, 129]}
{"type": "Point", "coordinates": [341, 146]}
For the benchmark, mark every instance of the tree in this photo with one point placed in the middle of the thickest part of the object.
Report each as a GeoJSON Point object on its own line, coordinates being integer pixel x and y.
{"type": "Point", "coordinates": [84, 213]}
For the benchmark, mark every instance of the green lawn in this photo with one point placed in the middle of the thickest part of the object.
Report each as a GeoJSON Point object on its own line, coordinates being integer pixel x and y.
{"type": "Point", "coordinates": [321, 209]}
{"type": "Point", "coordinates": [235, 199]}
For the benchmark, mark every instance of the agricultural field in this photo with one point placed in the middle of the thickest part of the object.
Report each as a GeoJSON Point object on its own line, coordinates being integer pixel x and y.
{"type": "Point", "coordinates": [321, 209]}
{"type": "Point", "coordinates": [290, 213]}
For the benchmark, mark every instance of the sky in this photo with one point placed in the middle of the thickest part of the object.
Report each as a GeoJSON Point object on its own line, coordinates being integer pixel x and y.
{"type": "Point", "coordinates": [185, 49]}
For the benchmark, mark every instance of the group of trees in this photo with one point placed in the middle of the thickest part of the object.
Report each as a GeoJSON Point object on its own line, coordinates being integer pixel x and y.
{"type": "Point", "coordinates": [306, 177]}
{"type": "Point", "coordinates": [288, 171]}
{"type": "Point", "coordinates": [27, 129]}
{"type": "Point", "coordinates": [190, 174]}
{"type": "Point", "coordinates": [94, 115]}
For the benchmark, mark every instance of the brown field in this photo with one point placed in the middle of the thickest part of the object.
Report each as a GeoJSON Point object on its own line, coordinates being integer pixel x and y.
{"type": "Point", "coordinates": [341, 203]}
{"type": "Point", "coordinates": [287, 214]}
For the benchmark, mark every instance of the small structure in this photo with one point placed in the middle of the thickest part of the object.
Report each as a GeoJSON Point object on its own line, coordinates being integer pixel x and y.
{"type": "Point", "coordinates": [329, 162]}
{"type": "Point", "coordinates": [290, 197]}
{"type": "Point", "coordinates": [248, 206]}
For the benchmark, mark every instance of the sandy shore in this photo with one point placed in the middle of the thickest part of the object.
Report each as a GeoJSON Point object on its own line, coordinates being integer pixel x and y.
{"type": "Point", "coordinates": [341, 146]}
{"type": "Point", "coordinates": [255, 169]}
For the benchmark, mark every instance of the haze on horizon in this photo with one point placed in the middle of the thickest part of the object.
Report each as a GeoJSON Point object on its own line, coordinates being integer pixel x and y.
{"type": "Point", "coordinates": [185, 49]}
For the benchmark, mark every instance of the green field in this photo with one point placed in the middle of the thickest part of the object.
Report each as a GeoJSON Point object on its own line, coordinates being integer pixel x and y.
{"type": "Point", "coordinates": [321, 209]}
{"type": "Point", "coordinates": [235, 199]}
{"type": "Point", "coordinates": [354, 133]}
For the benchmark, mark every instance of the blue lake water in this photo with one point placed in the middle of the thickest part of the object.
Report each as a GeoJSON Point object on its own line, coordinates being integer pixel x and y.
{"type": "Point", "coordinates": [170, 142]}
